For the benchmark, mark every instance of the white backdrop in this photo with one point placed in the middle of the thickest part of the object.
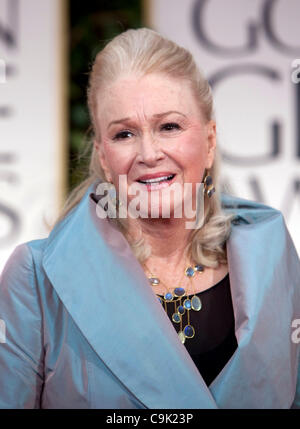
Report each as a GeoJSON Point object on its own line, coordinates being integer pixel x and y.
{"type": "Point", "coordinates": [248, 49]}
{"type": "Point", "coordinates": [32, 119]}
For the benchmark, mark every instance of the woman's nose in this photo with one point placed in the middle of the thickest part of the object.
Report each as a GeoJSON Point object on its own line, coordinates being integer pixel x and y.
{"type": "Point", "coordinates": [149, 150]}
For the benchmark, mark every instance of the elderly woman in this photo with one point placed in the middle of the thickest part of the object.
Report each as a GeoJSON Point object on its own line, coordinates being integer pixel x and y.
{"type": "Point", "coordinates": [123, 306]}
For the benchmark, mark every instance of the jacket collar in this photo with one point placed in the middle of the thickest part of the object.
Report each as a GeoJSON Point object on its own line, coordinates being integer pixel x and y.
{"type": "Point", "coordinates": [103, 287]}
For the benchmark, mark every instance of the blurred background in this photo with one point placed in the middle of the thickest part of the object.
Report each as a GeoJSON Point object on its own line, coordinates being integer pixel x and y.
{"type": "Point", "coordinates": [249, 51]}
{"type": "Point", "coordinates": [92, 25]}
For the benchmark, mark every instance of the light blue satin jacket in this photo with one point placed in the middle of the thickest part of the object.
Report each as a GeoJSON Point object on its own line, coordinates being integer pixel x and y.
{"type": "Point", "coordinates": [85, 330]}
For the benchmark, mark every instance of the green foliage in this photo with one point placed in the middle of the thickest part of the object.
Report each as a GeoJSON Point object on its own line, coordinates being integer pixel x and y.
{"type": "Point", "coordinates": [92, 24]}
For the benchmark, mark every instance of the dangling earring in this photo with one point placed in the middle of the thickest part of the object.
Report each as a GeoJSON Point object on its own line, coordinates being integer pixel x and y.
{"type": "Point", "coordinates": [209, 188]}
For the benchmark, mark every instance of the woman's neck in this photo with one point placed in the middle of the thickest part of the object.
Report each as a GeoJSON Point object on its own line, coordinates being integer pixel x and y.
{"type": "Point", "coordinates": [168, 239]}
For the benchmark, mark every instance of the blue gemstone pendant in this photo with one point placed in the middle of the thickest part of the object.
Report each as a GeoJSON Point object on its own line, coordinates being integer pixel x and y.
{"type": "Point", "coordinates": [168, 296]}
{"type": "Point", "coordinates": [189, 271]}
{"type": "Point", "coordinates": [196, 303]}
{"type": "Point", "coordinates": [179, 291]}
{"type": "Point", "coordinates": [176, 318]}
{"type": "Point", "coordinates": [187, 304]}
{"type": "Point", "coordinates": [189, 331]}
{"type": "Point", "coordinates": [181, 310]}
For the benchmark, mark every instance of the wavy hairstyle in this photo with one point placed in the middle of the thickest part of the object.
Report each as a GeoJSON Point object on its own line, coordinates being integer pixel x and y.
{"type": "Point", "coordinates": [141, 52]}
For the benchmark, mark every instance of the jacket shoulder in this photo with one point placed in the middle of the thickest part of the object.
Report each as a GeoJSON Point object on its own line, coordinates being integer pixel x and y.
{"type": "Point", "coordinates": [37, 248]}
{"type": "Point", "coordinates": [24, 258]}
{"type": "Point", "coordinates": [248, 211]}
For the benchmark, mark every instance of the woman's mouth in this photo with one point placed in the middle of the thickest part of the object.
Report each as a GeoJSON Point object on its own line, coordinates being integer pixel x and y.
{"type": "Point", "coordinates": [156, 183]}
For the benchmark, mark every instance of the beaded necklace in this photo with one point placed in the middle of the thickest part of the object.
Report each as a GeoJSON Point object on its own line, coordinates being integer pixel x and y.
{"type": "Point", "coordinates": [176, 296]}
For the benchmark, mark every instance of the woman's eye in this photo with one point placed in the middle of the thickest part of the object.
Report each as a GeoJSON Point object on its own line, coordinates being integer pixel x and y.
{"type": "Point", "coordinates": [122, 135]}
{"type": "Point", "coordinates": [170, 126]}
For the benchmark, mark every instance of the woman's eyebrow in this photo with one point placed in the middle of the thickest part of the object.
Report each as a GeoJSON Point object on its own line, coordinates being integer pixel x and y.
{"type": "Point", "coordinates": [157, 115]}
{"type": "Point", "coordinates": [160, 115]}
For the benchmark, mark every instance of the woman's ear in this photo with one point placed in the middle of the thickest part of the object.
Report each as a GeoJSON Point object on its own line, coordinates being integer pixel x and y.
{"type": "Point", "coordinates": [102, 160]}
{"type": "Point", "coordinates": [211, 136]}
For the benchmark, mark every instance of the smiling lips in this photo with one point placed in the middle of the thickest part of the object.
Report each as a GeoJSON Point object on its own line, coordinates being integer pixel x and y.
{"type": "Point", "coordinates": [156, 180]}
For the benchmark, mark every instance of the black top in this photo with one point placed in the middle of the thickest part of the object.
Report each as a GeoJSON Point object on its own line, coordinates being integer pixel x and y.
{"type": "Point", "coordinates": [214, 341]}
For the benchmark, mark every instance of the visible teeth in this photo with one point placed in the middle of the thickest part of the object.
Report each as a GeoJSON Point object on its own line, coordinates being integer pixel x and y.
{"type": "Point", "coordinates": [157, 179]}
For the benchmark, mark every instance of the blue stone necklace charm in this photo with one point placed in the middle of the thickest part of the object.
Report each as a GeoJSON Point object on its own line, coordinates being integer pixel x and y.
{"type": "Point", "coordinates": [183, 303]}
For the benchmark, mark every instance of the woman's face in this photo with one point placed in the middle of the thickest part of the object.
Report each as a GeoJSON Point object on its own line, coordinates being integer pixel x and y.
{"type": "Point", "coordinates": [152, 127]}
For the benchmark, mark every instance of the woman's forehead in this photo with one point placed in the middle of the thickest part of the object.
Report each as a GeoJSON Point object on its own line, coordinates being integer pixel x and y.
{"type": "Point", "coordinates": [148, 95]}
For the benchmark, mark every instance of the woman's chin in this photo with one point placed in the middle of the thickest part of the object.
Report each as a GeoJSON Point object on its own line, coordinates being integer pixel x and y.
{"type": "Point", "coordinates": [171, 210]}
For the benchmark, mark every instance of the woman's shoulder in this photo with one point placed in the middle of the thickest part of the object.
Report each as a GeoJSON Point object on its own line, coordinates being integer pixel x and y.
{"type": "Point", "coordinates": [261, 228]}
{"type": "Point", "coordinates": [37, 247]}
{"type": "Point", "coordinates": [24, 260]}
{"type": "Point", "coordinates": [248, 211]}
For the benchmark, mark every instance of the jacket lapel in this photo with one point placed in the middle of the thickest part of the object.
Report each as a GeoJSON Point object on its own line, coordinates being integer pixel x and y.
{"type": "Point", "coordinates": [103, 287]}
{"type": "Point", "coordinates": [264, 275]}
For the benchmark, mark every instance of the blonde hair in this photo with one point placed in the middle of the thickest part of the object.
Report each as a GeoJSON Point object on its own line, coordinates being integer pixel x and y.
{"type": "Point", "coordinates": [141, 52]}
